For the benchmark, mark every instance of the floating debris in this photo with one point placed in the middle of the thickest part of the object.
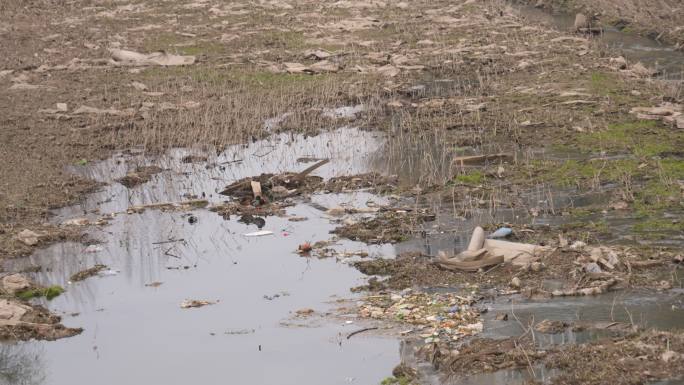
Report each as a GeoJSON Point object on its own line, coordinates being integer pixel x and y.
{"type": "Point", "coordinates": [190, 303]}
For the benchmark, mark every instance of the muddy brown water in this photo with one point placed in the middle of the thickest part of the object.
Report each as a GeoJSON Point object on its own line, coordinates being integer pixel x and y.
{"type": "Point", "coordinates": [633, 47]}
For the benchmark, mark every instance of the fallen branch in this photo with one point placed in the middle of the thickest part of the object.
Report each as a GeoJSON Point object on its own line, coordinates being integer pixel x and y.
{"type": "Point", "coordinates": [645, 264]}
{"type": "Point", "coordinates": [350, 335]}
{"type": "Point", "coordinates": [168, 241]}
{"type": "Point", "coordinates": [311, 169]}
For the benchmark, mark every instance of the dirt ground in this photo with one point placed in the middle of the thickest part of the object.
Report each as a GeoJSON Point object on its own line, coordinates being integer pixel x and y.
{"type": "Point", "coordinates": [443, 79]}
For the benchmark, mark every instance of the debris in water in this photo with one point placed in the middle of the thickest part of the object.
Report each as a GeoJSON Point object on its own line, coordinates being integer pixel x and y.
{"type": "Point", "coordinates": [87, 273]}
{"type": "Point", "coordinates": [304, 248]}
{"type": "Point", "coordinates": [239, 331]}
{"type": "Point", "coordinates": [259, 233]}
{"type": "Point", "coordinates": [141, 175]}
{"type": "Point", "coordinates": [93, 249]}
{"type": "Point", "coordinates": [190, 303]}
{"type": "Point", "coordinates": [304, 312]}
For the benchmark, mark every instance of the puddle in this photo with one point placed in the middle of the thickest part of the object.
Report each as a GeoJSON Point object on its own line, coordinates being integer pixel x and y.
{"type": "Point", "coordinates": [135, 332]}
{"type": "Point", "coordinates": [634, 47]}
{"type": "Point", "coordinates": [277, 154]}
{"type": "Point", "coordinates": [648, 309]}
{"type": "Point", "coordinates": [508, 377]}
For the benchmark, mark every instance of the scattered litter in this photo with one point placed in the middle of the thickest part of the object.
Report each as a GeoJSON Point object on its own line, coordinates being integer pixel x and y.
{"type": "Point", "coordinates": [348, 112]}
{"type": "Point", "coordinates": [442, 315]}
{"type": "Point", "coordinates": [304, 312]}
{"type": "Point", "coordinates": [304, 248]}
{"type": "Point", "coordinates": [318, 54]}
{"type": "Point", "coordinates": [124, 57]}
{"type": "Point", "coordinates": [76, 222]}
{"type": "Point", "coordinates": [59, 107]}
{"type": "Point", "coordinates": [87, 110]}
{"type": "Point", "coordinates": [260, 233]}
{"type": "Point", "coordinates": [190, 303]}
{"type": "Point", "coordinates": [481, 159]}
{"type": "Point", "coordinates": [276, 295]}
{"type": "Point", "coordinates": [239, 331]}
{"type": "Point", "coordinates": [93, 249]}
{"type": "Point", "coordinates": [108, 273]}
{"type": "Point", "coordinates": [501, 233]}
{"type": "Point", "coordinates": [139, 86]}
{"type": "Point", "coordinates": [483, 253]}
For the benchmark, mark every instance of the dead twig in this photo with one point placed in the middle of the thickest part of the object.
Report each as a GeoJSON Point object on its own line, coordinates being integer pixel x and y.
{"type": "Point", "coordinates": [350, 335]}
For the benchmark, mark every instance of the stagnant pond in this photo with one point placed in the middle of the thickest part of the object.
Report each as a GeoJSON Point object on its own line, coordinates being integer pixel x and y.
{"type": "Point", "coordinates": [134, 328]}
{"type": "Point", "coordinates": [137, 333]}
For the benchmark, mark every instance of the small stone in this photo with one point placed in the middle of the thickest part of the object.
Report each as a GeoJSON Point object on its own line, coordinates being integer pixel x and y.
{"type": "Point", "coordinates": [578, 245]}
{"type": "Point", "coordinates": [592, 268]}
{"type": "Point", "coordinates": [28, 237]}
{"type": "Point", "coordinates": [537, 266]}
{"type": "Point", "coordinates": [516, 283]}
{"type": "Point", "coordinates": [14, 283]}
{"type": "Point", "coordinates": [501, 317]}
{"type": "Point", "coordinates": [670, 355]}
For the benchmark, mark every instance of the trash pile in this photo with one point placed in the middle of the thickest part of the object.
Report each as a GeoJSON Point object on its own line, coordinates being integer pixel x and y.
{"type": "Point", "coordinates": [438, 316]}
{"type": "Point", "coordinates": [266, 194]}
{"type": "Point", "coordinates": [482, 253]}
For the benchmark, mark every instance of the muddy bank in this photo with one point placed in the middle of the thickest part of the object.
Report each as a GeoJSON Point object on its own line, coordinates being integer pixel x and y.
{"type": "Point", "coordinates": [639, 358]}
